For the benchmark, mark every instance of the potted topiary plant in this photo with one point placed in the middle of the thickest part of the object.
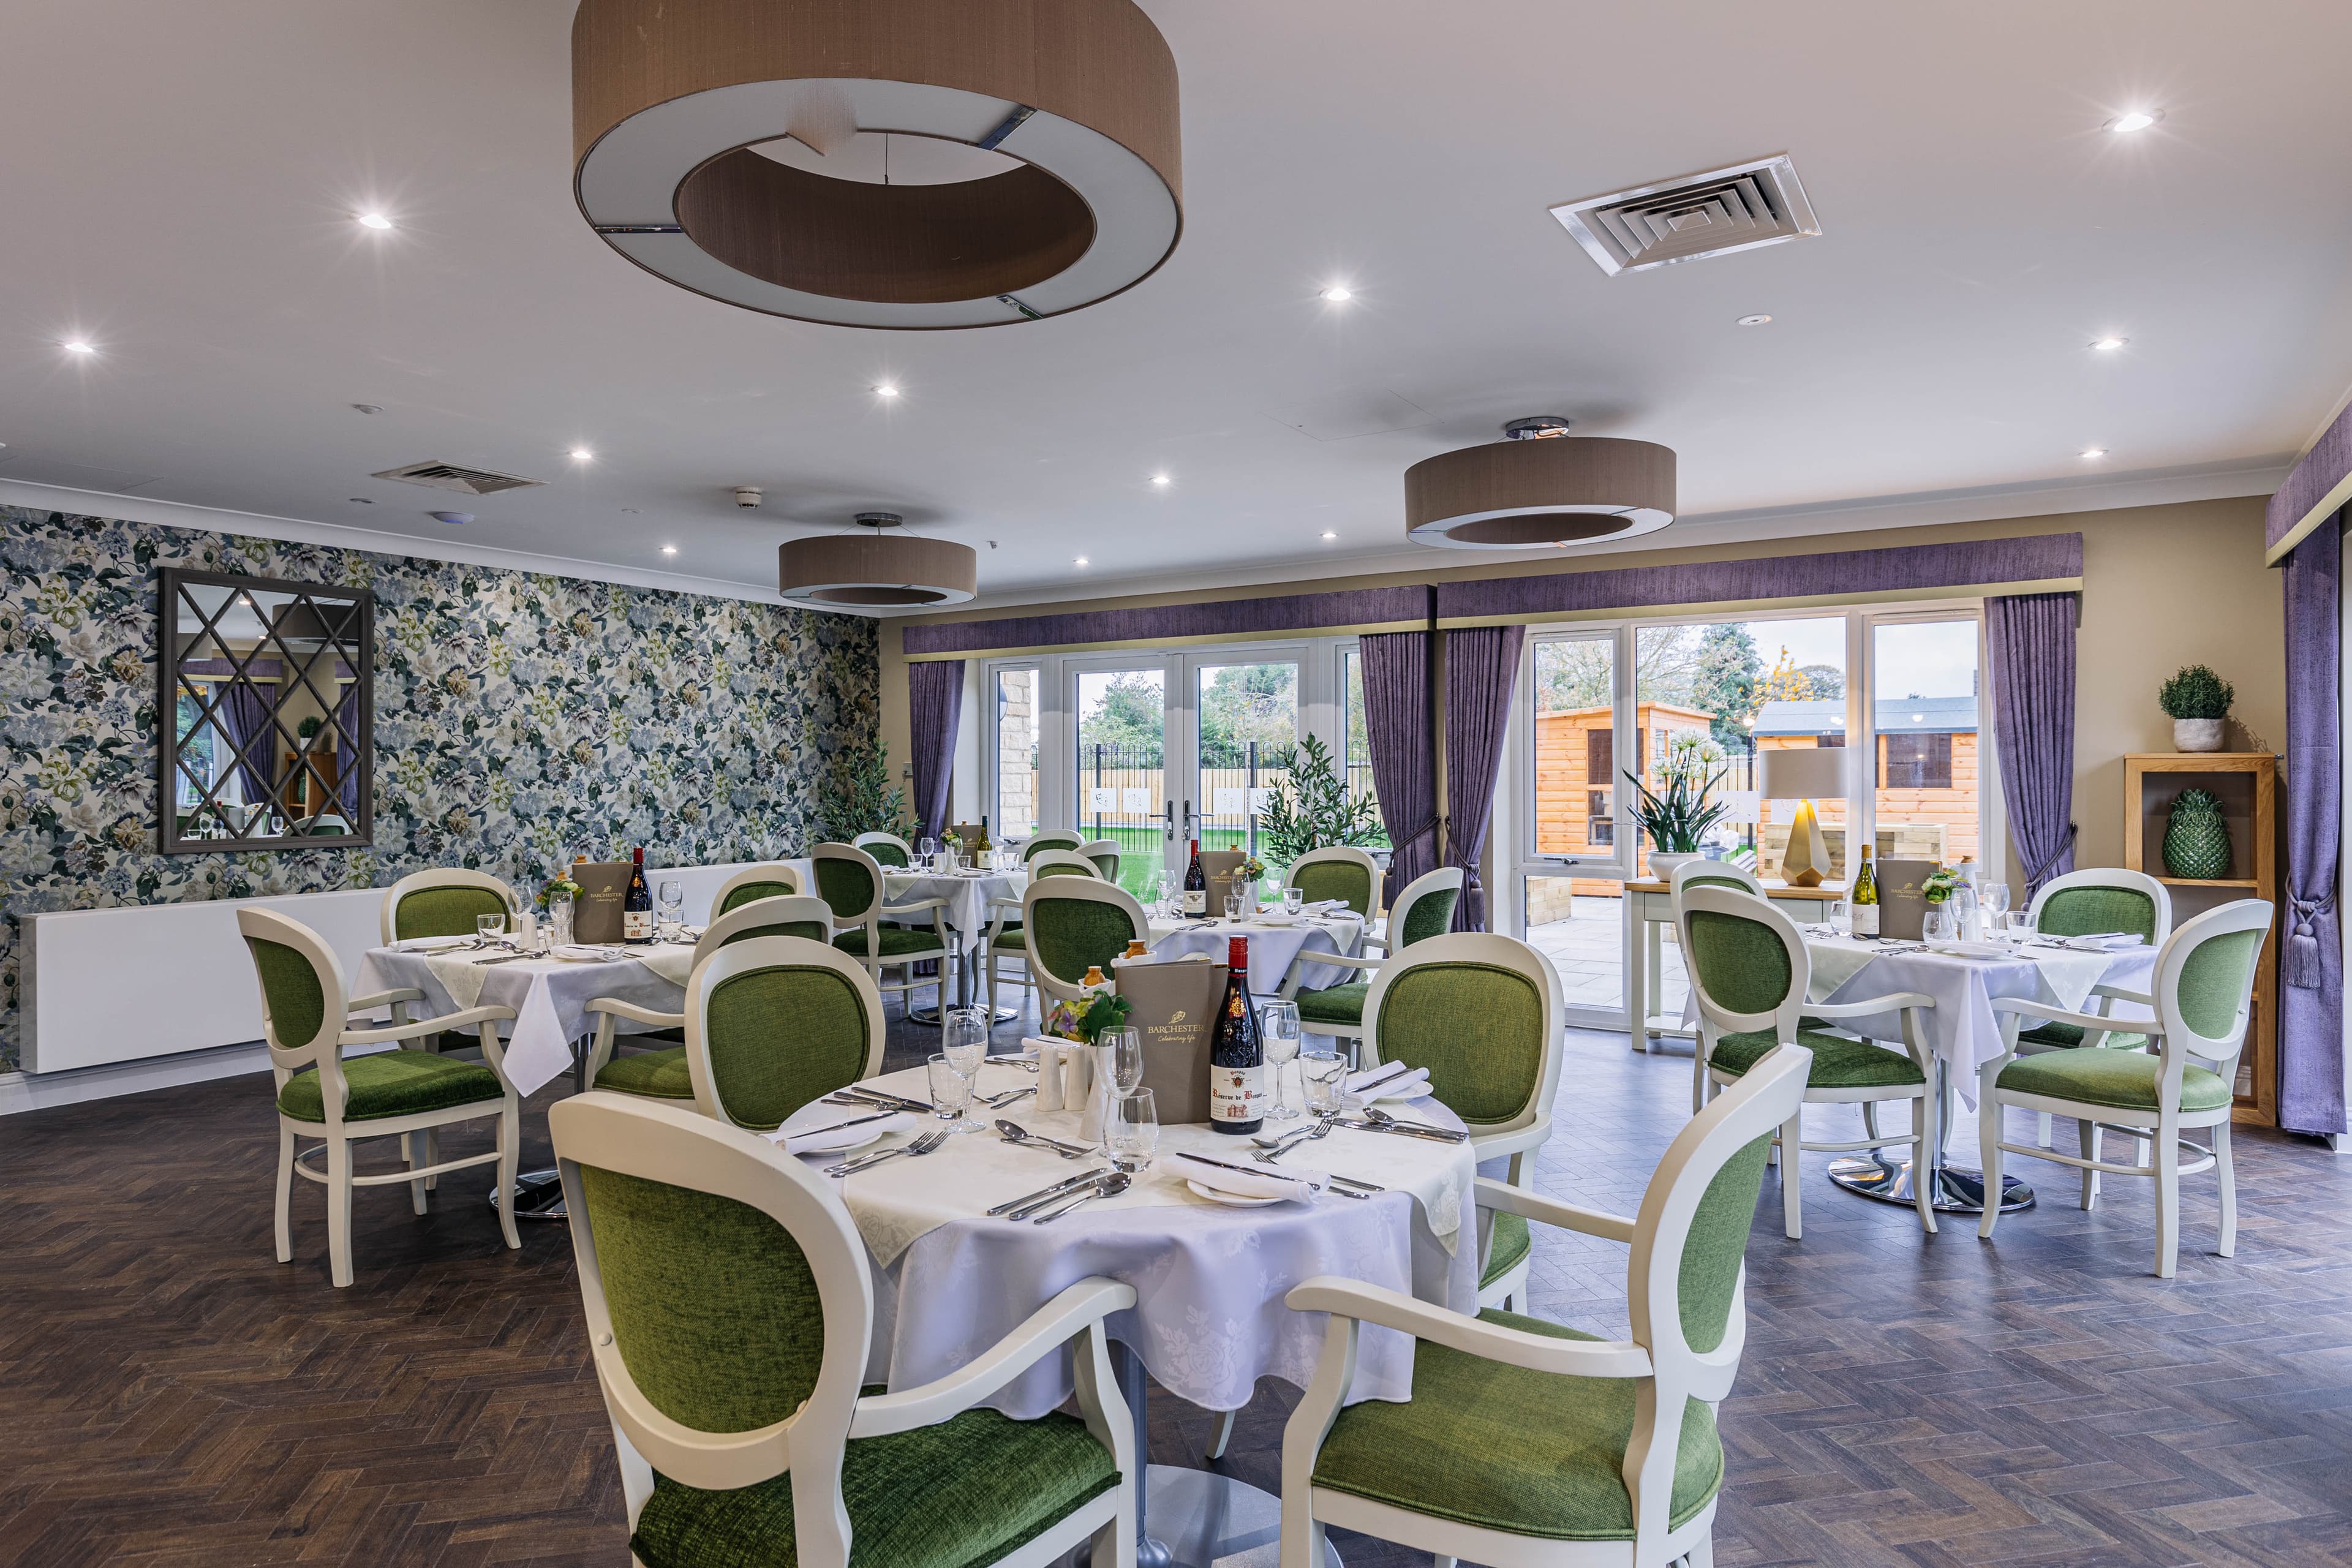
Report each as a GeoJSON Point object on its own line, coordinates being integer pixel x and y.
{"type": "Point", "coordinates": [2198, 700]}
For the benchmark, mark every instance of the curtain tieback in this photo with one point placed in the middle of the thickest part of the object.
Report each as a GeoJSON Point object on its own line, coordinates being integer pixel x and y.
{"type": "Point", "coordinates": [1425, 830]}
{"type": "Point", "coordinates": [2037, 873]}
{"type": "Point", "coordinates": [2303, 958]}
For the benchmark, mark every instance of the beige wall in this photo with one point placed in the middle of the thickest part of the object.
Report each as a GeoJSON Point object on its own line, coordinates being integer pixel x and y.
{"type": "Point", "coordinates": [2162, 586]}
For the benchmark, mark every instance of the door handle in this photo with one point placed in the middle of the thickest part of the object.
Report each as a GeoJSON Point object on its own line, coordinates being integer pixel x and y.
{"type": "Point", "coordinates": [1188, 819]}
{"type": "Point", "coordinates": [1169, 807]}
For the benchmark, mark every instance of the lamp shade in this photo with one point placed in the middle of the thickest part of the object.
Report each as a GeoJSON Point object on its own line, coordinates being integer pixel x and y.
{"type": "Point", "coordinates": [1801, 773]}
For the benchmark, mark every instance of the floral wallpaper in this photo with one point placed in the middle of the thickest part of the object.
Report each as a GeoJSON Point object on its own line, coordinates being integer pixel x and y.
{"type": "Point", "coordinates": [520, 720]}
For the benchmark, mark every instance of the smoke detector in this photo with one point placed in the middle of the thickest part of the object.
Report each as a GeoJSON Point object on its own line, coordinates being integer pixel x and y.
{"type": "Point", "coordinates": [748, 496]}
{"type": "Point", "coordinates": [1536, 427]}
{"type": "Point", "coordinates": [1714, 213]}
{"type": "Point", "coordinates": [456, 477]}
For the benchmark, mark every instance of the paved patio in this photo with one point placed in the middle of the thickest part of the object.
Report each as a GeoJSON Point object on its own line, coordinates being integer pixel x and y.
{"type": "Point", "coordinates": [1588, 949]}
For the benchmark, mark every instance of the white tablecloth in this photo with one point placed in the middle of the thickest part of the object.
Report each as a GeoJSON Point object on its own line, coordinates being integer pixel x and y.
{"type": "Point", "coordinates": [1271, 948]}
{"type": "Point", "coordinates": [967, 897]}
{"type": "Point", "coordinates": [549, 996]}
{"type": "Point", "coordinates": [1210, 1278]}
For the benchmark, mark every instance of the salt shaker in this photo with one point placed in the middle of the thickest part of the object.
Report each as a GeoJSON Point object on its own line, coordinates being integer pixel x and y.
{"type": "Point", "coordinates": [1049, 1076]}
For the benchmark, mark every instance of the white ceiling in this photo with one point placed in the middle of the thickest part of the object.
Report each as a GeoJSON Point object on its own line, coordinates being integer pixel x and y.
{"type": "Point", "coordinates": [179, 182]}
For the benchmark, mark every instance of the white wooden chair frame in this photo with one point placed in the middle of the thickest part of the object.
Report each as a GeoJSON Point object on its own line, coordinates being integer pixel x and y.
{"type": "Point", "coordinates": [768, 871]}
{"type": "Point", "coordinates": [1668, 1370]}
{"type": "Point", "coordinates": [1003, 908]}
{"type": "Point", "coordinates": [1412, 893]}
{"type": "Point", "coordinates": [2097, 877]}
{"type": "Point", "coordinates": [863, 839]}
{"type": "Point", "coordinates": [1348, 855]}
{"type": "Point", "coordinates": [2158, 1131]}
{"type": "Point", "coordinates": [1091, 889]}
{"type": "Point", "coordinates": [441, 877]}
{"type": "Point", "coordinates": [610, 1011]}
{"type": "Point", "coordinates": [1047, 838]}
{"type": "Point", "coordinates": [1110, 846]}
{"type": "Point", "coordinates": [768, 952]}
{"type": "Point", "coordinates": [870, 919]}
{"type": "Point", "coordinates": [1719, 872]}
{"type": "Point", "coordinates": [1715, 1020]}
{"type": "Point", "coordinates": [419, 1132]}
{"type": "Point", "coordinates": [659, 1141]}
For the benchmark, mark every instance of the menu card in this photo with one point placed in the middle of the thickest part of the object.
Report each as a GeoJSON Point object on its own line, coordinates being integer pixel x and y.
{"type": "Point", "coordinates": [1172, 1005]}
{"type": "Point", "coordinates": [596, 912]}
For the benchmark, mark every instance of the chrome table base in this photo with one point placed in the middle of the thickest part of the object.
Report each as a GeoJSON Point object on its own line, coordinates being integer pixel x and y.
{"type": "Point", "coordinates": [1957, 1191]}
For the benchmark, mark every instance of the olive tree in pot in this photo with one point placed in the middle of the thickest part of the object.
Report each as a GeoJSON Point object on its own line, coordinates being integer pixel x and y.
{"type": "Point", "coordinates": [2198, 701]}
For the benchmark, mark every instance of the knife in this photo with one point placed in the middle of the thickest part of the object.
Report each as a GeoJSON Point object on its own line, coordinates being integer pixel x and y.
{"type": "Point", "coordinates": [1246, 1170]}
{"type": "Point", "coordinates": [852, 1121]}
{"type": "Point", "coordinates": [879, 1097]}
{"type": "Point", "coordinates": [1435, 1134]}
{"type": "Point", "coordinates": [1027, 1206]}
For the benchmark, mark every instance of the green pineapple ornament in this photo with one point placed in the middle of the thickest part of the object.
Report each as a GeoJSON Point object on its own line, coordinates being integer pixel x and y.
{"type": "Point", "coordinates": [2196, 840]}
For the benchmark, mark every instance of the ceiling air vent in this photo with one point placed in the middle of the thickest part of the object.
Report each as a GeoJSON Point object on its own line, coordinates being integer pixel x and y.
{"type": "Point", "coordinates": [1724, 210]}
{"type": "Point", "coordinates": [454, 476]}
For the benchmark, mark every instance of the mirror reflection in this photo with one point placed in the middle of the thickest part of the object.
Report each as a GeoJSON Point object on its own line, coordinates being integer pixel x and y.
{"type": "Point", "coordinates": [268, 705]}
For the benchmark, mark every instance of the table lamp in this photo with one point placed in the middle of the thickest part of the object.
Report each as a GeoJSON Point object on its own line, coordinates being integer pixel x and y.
{"type": "Point", "coordinates": [1802, 774]}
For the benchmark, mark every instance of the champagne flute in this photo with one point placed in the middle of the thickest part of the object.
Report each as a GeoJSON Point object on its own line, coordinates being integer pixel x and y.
{"type": "Point", "coordinates": [1279, 1022]}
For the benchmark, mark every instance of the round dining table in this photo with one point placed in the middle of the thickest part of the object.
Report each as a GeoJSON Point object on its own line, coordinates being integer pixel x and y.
{"type": "Point", "coordinates": [1209, 1277]}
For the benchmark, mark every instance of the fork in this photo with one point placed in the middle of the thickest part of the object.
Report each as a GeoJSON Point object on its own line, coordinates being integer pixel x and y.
{"type": "Point", "coordinates": [928, 1144]}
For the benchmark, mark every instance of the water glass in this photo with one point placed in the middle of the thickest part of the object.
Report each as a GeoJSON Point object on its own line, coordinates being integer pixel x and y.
{"type": "Point", "coordinates": [1163, 893]}
{"type": "Point", "coordinates": [1278, 1027]}
{"type": "Point", "coordinates": [1120, 1052]}
{"type": "Point", "coordinates": [669, 901]}
{"type": "Point", "coordinates": [1294, 902]}
{"type": "Point", "coordinates": [963, 1038]}
{"type": "Point", "coordinates": [1325, 1072]}
{"type": "Point", "coordinates": [558, 919]}
{"type": "Point", "coordinates": [1940, 924]}
{"type": "Point", "coordinates": [1133, 1134]}
{"type": "Point", "coordinates": [488, 929]}
{"type": "Point", "coordinates": [1233, 901]}
{"type": "Point", "coordinates": [950, 1095]}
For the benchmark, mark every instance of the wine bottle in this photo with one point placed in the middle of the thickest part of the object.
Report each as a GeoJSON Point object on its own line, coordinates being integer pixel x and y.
{"type": "Point", "coordinates": [1196, 884]}
{"type": "Point", "coordinates": [1862, 899]}
{"type": "Point", "coordinates": [983, 846]}
{"type": "Point", "coordinates": [637, 903]}
{"type": "Point", "coordinates": [1236, 1052]}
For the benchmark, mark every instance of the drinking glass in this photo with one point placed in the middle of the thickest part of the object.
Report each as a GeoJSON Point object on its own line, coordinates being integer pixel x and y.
{"type": "Point", "coordinates": [670, 896]}
{"type": "Point", "coordinates": [963, 1038]}
{"type": "Point", "coordinates": [1993, 898]}
{"type": "Point", "coordinates": [1325, 1072]}
{"type": "Point", "coordinates": [1939, 924]}
{"type": "Point", "coordinates": [1122, 1051]}
{"type": "Point", "coordinates": [558, 919]}
{"type": "Point", "coordinates": [1134, 1130]}
{"type": "Point", "coordinates": [1294, 902]}
{"type": "Point", "coordinates": [950, 1095]}
{"type": "Point", "coordinates": [1279, 1028]}
{"type": "Point", "coordinates": [1232, 903]}
{"type": "Point", "coordinates": [1163, 892]}
{"type": "Point", "coordinates": [488, 929]}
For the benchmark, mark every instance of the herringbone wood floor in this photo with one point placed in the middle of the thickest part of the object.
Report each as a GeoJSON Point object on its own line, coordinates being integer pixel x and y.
{"type": "Point", "coordinates": [170, 1395]}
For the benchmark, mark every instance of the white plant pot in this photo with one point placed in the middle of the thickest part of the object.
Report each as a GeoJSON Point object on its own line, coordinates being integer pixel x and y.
{"type": "Point", "coordinates": [2197, 734]}
{"type": "Point", "coordinates": [1664, 861]}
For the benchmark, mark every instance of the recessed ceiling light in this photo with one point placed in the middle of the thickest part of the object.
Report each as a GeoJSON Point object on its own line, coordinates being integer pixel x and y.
{"type": "Point", "coordinates": [2109, 345]}
{"type": "Point", "coordinates": [1160, 479]}
{"type": "Point", "coordinates": [362, 500]}
{"type": "Point", "coordinates": [669, 550]}
{"type": "Point", "coordinates": [374, 220]}
{"type": "Point", "coordinates": [582, 455]}
{"type": "Point", "coordinates": [2095, 451]}
{"type": "Point", "coordinates": [1078, 561]}
{"type": "Point", "coordinates": [1754, 321]}
{"type": "Point", "coordinates": [368, 407]}
{"type": "Point", "coordinates": [1329, 534]}
{"type": "Point", "coordinates": [79, 346]}
{"type": "Point", "coordinates": [2135, 119]}
{"type": "Point", "coordinates": [887, 389]}
{"type": "Point", "coordinates": [1338, 294]}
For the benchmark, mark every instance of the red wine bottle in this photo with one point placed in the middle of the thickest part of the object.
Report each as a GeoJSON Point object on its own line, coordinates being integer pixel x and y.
{"type": "Point", "coordinates": [1196, 884]}
{"type": "Point", "coordinates": [1236, 1051]}
{"type": "Point", "coordinates": [638, 904]}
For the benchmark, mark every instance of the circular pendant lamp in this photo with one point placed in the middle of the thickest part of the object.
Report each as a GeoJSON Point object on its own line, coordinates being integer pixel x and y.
{"type": "Point", "coordinates": [877, 568]}
{"type": "Point", "coordinates": [1540, 485]}
{"type": "Point", "coordinates": [910, 163]}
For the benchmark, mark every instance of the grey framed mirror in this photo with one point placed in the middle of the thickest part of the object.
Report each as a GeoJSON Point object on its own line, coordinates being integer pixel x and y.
{"type": "Point", "coordinates": [265, 715]}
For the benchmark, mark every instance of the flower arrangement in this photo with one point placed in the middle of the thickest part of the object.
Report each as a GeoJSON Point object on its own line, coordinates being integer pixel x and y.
{"type": "Point", "coordinates": [1068, 1021]}
{"type": "Point", "coordinates": [562, 883]}
{"type": "Point", "coordinates": [1251, 868]}
{"type": "Point", "coordinates": [1676, 816]}
{"type": "Point", "coordinates": [1940, 885]}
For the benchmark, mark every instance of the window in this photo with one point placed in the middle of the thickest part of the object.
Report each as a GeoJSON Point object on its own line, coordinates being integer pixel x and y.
{"type": "Point", "coordinates": [1927, 799]}
{"type": "Point", "coordinates": [1016, 752]}
{"type": "Point", "coordinates": [1600, 757]}
{"type": "Point", "coordinates": [1915, 762]}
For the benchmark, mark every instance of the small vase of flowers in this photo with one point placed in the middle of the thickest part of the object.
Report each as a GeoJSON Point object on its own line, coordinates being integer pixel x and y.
{"type": "Point", "coordinates": [1677, 814]}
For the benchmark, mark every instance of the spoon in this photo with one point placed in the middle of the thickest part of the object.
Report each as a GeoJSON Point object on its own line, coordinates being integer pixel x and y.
{"type": "Point", "coordinates": [1016, 1133]}
{"type": "Point", "coordinates": [1382, 1119]}
{"type": "Point", "coordinates": [1109, 1186]}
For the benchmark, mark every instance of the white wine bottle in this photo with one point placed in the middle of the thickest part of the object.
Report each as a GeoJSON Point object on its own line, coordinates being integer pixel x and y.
{"type": "Point", "coordinates": [1863, 897]}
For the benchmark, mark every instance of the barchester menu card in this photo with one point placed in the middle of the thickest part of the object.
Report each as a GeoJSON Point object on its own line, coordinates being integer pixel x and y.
{"type": "Point", "coordinates": [1173, 1004]}
{"type": "Point", "coordinates": [596, 912]}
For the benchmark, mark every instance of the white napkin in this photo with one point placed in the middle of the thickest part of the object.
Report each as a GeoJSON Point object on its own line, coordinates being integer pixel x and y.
{"type": "Point", "coordinates": [1384, 1081]}
{"type": "Point", "coordinates": [1973, 949]}
{"type": "Point", "coordinates": [581, 954]}
{"type": "Point", "coordinates": [430, 943]}
{"type": "Point", "coordinates": [819, 1115]}
{"type": "Point", "coordinates": [2099, 941]}
{"type": "Point", "coordinates": [1273, 1183]}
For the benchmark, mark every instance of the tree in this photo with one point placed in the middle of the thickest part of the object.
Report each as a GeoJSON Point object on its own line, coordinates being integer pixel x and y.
{"type": "Point", "coordinates": [1127, 718]}
{"type": "Point", "coordinates": [1246, 702]}
{"type": "Point", "coordinates": [1667, 664]}
{"type": "Point", "coordinates": [1726, 680]}
{"type": "Point", "coordinates": [1827, 680]}
{"type": "Point", "coordinates": [865, 798]}
{"type": "Point", "coordinates": [1310, 809]}
{"type": "Point", "coordinates": [1572, 674]}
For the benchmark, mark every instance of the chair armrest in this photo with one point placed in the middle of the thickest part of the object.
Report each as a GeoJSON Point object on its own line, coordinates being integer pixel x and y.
{"type": "Point", "coordinates": [1886, 1004]}
{"type": "Point", "coordinates": [1043, 1333]}
{"type": "Point", "coordinates": [2117, 992]}
{"type": "Point", "coordinates": [896, 912]}
{"type": "Point", "coordinates": [1489, 1341]}
{"type": "Point", "coordinates": [415, 1027]}
{"type": "Point", "coordinates": [1490, 1145]}
{"type": "Point", "coordinates": [1335, 961]}
{"type": "Point", "coordinates": [1494, 1195]}
{"type": "Point", "coordinates": [630, 1011]}
{"type": "Point", "coordinates": [2090, 1022]}
{"type": "Point", "coordinates": [382, 999]}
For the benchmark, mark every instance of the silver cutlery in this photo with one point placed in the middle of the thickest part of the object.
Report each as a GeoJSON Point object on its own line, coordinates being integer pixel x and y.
{"type": "Point", "coordinates": [1109, 1186]}
{"type": "Point", "coordinates": [506, 958]}
{"type": "Point", "coordinates": [1406, 1130]}
{"type": "Point", "coordinates": [1394, 1072]}
{"type": "Point", "coordinates": [1245, 1171]}
{"type": "Point", "coordinates": [999, 1102]}
{"type": "Point", "coordinates": [926, 1145]}
{"type": "Point", "coordinates": [837, 1126]}
{"type": "Point", "coordinates": [1014, 1132]}
{"type": "Point", "coordinates": [1047, 1195]}
{"type": "Point", "coordinates": [878, 1096]}
{"type": "Point", "coordinates": [1374, 1113]}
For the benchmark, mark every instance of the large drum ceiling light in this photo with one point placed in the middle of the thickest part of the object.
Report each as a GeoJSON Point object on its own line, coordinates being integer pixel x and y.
{"type": "Point", "coordinates": [880, 162]}
{"type": "Point", "coordinates": [1532, 489]}
{"type": "Point", "coordinates": [876, 568]}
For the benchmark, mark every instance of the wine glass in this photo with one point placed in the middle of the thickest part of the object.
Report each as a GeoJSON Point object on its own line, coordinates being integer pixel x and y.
{"type": "Point", "coordinates": [671, 899]}
{"type": "Point", "coordinates": [1279, 1028]}
{"type": "Point", "coordinates": [1122, 1051]}
{"type": "Point", "coordinates": [963, 1038]}
{"type": "Point", "coordinates": [927, 850]}
{"type": "Point", "coordinates": [1992, 897]}
{"type": "Point", "coordinates": [1134, 1130]}
{"type": "Point", "coordinates": [1163, 892]}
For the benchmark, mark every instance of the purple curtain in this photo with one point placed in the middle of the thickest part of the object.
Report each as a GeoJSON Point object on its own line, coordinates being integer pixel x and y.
{"type": "Point", "coordinates": [346, 744]}
{"type": "Point", "coordinates": [2032, 639]}
{"type": "Point", "coordinates": [935, 703]}
{"type": "Point", "coordinates": [244, 715]}
{"type": "Point", "coordinates": [2311, 1003]}
{"type": "Point", "coordinates": [1405, 760]}
{"type": "Point", "coordinates": [1480, 666]}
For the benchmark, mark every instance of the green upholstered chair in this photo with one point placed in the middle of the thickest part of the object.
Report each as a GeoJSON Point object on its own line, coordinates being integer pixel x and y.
{"type": "Point", "coordinates": [1047, 838]}
{"type": "Point", "coordinates": [2201, 995]}
{"type": "Point", "coordinates": [771, 879]}
{"type": "Point", "coordinates": [1714, 874]}
{"type": "Point", "coordinates": [1482, 1013]}
{"type": "Point", "coordinates": [1069, 922]}
{"type": "Point", "coordinates": [1004, 941]}
{"type": "Point", "coordinates": [850, 881]}
{"type": "Point", "coordinates": [1529, 1444]}
{"type": "Point", "coordinates": [411, 1095]}
{"type": "Point", "coordinates": [730, 1313]}
{"type": "Point", "coordinates": [1343, 872]}
{"type": "Point", "coordinates": [2087, 903]}
{"type": "Point", "coordinates": [809, 919]}
{"type": "Point", "coordinates": [1750, 972]}
{"type": "Point", "coordinates": [1106, 855]}
{"type": "Point", "coordinates": [1423, 909]}
{"type": "Point", "coordinates": [887, 848]}
{"type": "Point", "coordinates": [444, 901]}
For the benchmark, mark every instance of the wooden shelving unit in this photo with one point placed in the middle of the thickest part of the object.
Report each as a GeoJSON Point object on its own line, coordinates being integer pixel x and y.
{"type": "Point", "coordinates": [2247, 785]}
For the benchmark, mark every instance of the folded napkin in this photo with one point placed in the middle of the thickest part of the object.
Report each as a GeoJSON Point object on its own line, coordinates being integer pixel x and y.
{"type": "Point", "coordinates": [589, 954]}
{"type": "Point", "coordinates": [1385, 1079]}
{"type": "Point", "coordinates": [1974, 949]}
{"type": "Point", "coordinates": [430, 943]}
{"type": "Point", "coordinates": [2100, 941]}
{"type": "Point", "coordinates": [1273, 1183]}
{"type": "Point", "coordinates": [818, 1117]}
